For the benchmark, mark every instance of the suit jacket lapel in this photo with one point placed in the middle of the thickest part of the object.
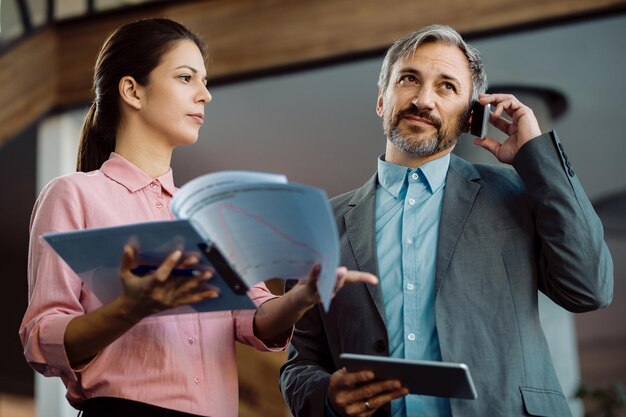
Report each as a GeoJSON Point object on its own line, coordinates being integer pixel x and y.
{"type": "Point", "coordinates": [458, 199]}
{"type": "Point", "coordinates": [360, 228]}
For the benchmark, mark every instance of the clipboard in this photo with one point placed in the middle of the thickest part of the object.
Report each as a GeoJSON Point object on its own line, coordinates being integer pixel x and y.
{"type": "Point", "coordinates": [94, 255]}
{"type": "Point", "coordinates": [223, 267]}
{"type": "Point", "coordinates": [439, 379]}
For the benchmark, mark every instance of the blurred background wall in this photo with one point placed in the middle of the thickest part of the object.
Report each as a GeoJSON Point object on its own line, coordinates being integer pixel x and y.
{"type": "Point", "coordinates": [310, 114]}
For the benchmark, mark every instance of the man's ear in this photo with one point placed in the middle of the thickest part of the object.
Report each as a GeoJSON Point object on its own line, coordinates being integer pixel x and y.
{"type": "Point", "coordinates": [130, 92]}
{"type": "Point", "coordinates": [379, 104]}
{"type": "Point", "coordinates": [467, 124]}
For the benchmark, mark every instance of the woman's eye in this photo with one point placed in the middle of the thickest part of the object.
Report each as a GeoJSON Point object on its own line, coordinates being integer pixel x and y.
{"type": "Point", "coordinates": [185, 78]}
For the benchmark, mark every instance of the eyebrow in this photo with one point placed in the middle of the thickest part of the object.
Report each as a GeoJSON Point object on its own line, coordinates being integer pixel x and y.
{"type": "Point", "coordinates": [192, 69]}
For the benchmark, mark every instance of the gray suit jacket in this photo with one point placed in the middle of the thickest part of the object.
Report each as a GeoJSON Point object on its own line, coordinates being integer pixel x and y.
{"type": "Point", "coordinates": [504, 235]}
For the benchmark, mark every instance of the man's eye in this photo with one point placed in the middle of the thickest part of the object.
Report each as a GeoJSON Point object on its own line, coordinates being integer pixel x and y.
{"type": "Point", "coordinates": [408, 78]}
{"type": "Point", "coordinates": [449, 86]}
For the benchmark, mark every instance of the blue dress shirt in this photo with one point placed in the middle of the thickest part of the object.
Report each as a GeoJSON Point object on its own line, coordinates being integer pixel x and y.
{"type": "Point", "coordinates": [408, 212]}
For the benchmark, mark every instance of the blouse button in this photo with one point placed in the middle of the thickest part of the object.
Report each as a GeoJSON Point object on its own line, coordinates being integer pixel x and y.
{"type": "Point", "coordinates": [159, 205]}
{"type": "Point", "coordinates": [153, 185]}
{"type": "Point", "coordinates": [196, 380]}
{"type": "Point", "coordinates": [191, 340]}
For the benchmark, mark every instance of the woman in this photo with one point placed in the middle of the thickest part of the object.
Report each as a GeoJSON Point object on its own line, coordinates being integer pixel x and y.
{"type": "Point", "coordinates": [116, 359]}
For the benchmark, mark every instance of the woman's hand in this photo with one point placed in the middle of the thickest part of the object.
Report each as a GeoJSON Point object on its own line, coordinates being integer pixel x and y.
{"type": "Point", "coordinates": [275, 318]}
{"type": "Point", "coordinates": [89, 333]}
{"type": "Point", "coordinates": [306, 293]}
{"type": "Point", "coordinates": [162, 289]}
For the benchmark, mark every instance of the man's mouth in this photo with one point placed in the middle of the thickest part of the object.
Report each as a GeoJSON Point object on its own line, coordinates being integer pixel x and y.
{"type": "Point", "coordinates": [422, 119]}
{"type": "Point", "coordinates": [418, 120]}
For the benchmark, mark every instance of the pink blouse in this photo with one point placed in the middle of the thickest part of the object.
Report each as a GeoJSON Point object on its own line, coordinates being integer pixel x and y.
{"type": "Point", "coordinates": [184, 362]}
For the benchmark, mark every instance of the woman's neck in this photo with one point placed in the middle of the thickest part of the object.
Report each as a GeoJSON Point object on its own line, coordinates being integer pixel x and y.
{"type": "Point", "coordinates": [151, 156]}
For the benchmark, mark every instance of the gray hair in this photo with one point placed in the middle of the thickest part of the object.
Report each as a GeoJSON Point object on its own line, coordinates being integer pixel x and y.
{"type": "Point", "coordinates": [433, 34]}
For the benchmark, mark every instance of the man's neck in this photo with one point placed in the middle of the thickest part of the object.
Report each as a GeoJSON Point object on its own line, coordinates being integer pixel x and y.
{"type": "Point", "coordinates": [402, 158]}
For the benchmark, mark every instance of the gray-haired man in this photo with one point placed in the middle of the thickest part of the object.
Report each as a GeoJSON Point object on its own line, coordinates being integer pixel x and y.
{"type": "Point", "coordinates": [461, 251]}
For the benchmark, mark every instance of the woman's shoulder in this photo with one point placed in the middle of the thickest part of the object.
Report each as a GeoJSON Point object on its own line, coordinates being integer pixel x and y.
{"type": "Point", "coordinates": [71, 186]}
{"type": "Point", "coordinates": [59, 204]}
{"type": "Point", "coordinates": [74, 180]}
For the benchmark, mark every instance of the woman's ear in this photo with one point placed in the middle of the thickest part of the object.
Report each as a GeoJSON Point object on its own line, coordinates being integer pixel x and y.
{"type": "Point", "coordinates": [130, 92]}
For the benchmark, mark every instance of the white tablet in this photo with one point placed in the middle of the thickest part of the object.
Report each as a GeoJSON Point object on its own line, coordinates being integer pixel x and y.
{"type": "Point", "coordinates": [440, 379]}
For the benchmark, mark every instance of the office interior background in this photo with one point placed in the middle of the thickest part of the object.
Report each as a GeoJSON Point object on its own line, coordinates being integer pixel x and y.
{"type": "Point", "coordinates": [294, 91]}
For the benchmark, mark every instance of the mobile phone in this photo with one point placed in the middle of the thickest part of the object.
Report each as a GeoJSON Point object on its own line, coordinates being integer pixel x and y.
{"type": "Point", "coordinates": [480, 119]}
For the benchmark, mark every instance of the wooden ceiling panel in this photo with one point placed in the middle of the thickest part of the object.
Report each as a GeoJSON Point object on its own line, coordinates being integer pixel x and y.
{"type": "Point", "coordinates": [250, 36]}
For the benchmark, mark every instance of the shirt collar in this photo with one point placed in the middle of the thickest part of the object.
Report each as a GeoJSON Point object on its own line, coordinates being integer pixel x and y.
{"type": "Point", "coordinates": [130, 176]}
{"type": "Point", "coordinates": [435, 172]}
{"type": "Point", "coordinates": [392, 177]}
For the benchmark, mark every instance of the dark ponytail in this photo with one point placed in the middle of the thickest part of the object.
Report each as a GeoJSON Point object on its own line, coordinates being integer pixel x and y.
{"type": "Point", "coordinates": [134, 50]}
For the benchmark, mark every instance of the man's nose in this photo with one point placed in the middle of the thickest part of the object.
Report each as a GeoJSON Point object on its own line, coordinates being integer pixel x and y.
{"type": "Point", "coordinates": [424, 99]}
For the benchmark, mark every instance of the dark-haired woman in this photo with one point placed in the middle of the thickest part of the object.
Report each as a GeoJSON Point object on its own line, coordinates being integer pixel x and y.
{"type": "Point", "coordinates": [118, 359]}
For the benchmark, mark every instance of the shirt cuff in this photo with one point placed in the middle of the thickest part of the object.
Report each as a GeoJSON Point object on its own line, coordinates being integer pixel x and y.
{"type": "Point", "coordinates": [328, 410]}
{"type": "Point", "coordinates": [244, 322]}
{"type": "Point", "coordinates": [245, 332]}
{"type": "Point", "coordinates": [52, 342]}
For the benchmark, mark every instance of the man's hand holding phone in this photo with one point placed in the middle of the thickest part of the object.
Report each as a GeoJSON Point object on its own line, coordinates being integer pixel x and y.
{"type": "Point", "coordinates": [521, 125]}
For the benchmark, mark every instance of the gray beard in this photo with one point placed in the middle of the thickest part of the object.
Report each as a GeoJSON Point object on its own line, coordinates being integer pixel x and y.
{"type": "Point", "coordinates": [424, 147]}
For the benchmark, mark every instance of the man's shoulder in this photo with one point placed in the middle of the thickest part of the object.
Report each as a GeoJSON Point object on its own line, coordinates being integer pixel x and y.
{"type": "Point", "coordinates": [483, 172]}
{"type": "Point", "coordinates": [343, 199]}
{"type": "Point", "coordinates": [492, 171]}
{"type": "Point", "coordinates": [343, 202]}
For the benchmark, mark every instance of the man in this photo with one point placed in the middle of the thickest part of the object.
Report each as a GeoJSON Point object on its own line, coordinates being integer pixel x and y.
{"type": "Point", "coordinates": [461, 251]}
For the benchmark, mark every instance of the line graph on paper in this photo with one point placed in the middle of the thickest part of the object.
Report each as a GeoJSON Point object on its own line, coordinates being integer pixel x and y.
{"type": "Point", "coordinates": [278, 246]}
{"type": "Point", "coordinates": [271, 231]}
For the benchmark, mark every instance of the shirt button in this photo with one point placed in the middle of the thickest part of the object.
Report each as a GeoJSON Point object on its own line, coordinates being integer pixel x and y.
{"type": "Point", "coordinates": [415, 176]}
{"type": "Point", "coordinates": [196, 380]}
{"type": "Point", "coordinates": [409, 241]}
{"type": "Point", "coordinates": [159, 205]}
{"type": "Point", "coordinates": [153, 185]}
{"type": "Point", "coordinates": [411, 337]}
{"type": "Point", "coordinates": [411, 201]}
{"type": "Point", "coordinates": [191, 340]}
{"type": "Point", "coordinates": [410, 287]}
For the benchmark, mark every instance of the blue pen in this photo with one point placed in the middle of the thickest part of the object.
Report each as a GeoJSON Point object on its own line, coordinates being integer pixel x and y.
{"type": "Point", "coordinates": [183, 272]}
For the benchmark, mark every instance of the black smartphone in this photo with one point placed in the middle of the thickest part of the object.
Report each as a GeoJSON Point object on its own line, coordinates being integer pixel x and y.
{"type": "Point", "coordinates": [480, 119]}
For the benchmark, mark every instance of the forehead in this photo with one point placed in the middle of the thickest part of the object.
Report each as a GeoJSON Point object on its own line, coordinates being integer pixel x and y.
{"type": "Point", "coordinates": [183, 53]}
{"type": "Point", "coordinates": [436, 59]}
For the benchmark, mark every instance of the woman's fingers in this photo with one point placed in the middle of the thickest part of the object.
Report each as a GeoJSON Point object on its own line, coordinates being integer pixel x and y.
{"type": "Point", "coordinates": [128, 260]}
{"type": "Point", "coordinates": [165, 269]}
